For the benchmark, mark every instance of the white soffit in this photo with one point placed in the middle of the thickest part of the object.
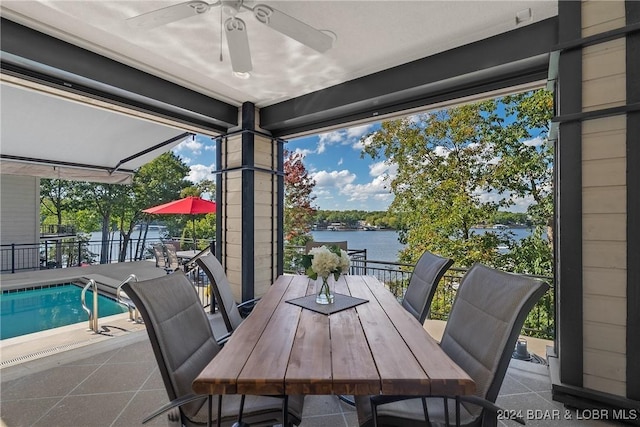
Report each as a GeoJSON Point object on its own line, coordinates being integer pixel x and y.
{"type": "Point", "coordinates": [50, 136]}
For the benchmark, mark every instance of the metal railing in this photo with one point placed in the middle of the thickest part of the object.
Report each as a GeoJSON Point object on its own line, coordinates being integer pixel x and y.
{"type": "Point", "coordinates": [58, 230]}
{"type": "Point", "coordinates": [540, 322]}
{"type": "Point", "coordinates": [93, 311]}
{"type": "Point", "coordinates": [71, 252]}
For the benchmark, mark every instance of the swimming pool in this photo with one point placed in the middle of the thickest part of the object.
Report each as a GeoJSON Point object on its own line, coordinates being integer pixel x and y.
{"type": "Point", "coordinates": [26, 311]}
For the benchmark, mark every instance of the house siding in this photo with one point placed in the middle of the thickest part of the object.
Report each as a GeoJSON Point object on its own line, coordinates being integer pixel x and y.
{"type": "Point", "coordinates": [604, 213]}
{"type": "Point", "coordinates": [20, 224]}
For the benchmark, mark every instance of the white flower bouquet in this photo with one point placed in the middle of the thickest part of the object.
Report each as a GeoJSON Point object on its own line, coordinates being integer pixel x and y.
{"type": "Point", "coordinates": [325, 261]}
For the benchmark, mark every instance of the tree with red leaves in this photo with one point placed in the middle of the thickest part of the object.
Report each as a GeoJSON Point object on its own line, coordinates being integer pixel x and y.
{"type": "Point", "coordinates": [298, 209]}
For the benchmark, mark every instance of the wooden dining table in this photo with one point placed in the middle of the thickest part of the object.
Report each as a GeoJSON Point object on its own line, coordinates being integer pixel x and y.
{"type": "Point", "coordinates": [374, 348]}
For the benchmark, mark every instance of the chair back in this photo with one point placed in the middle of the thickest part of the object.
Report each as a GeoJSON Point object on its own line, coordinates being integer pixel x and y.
{"type": "Point", "coordinates": [425, 278]}
{"type": "Point", "coordinates": [310, 245]}
{"type": "Point", "coordinates": [158, 252]}
{"type": "Point", "coordinates": [172, 256]}
{"type": "Point", "coordinates": [221, 290]}
{"type": "Point", "coordinates": [179, 331]}
{"type": "Point", "coordinates": [484, 324]}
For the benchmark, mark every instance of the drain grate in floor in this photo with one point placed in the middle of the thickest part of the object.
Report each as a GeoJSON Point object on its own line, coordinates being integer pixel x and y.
{"type": "Point", "coordinates": [42, 353]}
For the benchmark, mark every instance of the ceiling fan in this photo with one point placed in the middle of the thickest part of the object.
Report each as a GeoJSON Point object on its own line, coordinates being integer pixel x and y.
{"type": "Point", "coordinates": [236, 29]}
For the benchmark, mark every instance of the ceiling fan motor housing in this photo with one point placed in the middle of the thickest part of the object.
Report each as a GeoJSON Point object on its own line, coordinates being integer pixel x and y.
{"type": "Point", "coordinates": [231, 7]}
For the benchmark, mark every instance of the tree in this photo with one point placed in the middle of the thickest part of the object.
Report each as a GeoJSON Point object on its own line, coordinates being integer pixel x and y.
{"type": "Point", "coordinates": [451, 162]}
{"type": "Point", "coordinates": [160, 181]}
{"type": "Point", "coordinates": [442, 171]}
{"type": "Point", "coordinates": [119, 206]}
{"type": "Point", "coordinates": [298, 209]}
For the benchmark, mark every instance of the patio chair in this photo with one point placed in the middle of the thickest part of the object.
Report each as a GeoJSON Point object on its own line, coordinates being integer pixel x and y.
{"type": "Point", "coordinates": [484, 323]}
{"type": "Point", "coordinates": [425, 278]}
{"type": "Point", "coordinates": [158, 252]}
{"type": "Point", "coordinates": [183, 345]}
{"type": "Point", "coordinates": [172, 257]}
{"type": "Point", "coordinates": [229, 313]}
{"type": "Point", "coordinates": [310, 245]}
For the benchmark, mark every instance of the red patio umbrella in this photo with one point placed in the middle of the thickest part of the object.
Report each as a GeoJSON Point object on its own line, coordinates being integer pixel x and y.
{"type": "Point", "coordinates": [188, 206]}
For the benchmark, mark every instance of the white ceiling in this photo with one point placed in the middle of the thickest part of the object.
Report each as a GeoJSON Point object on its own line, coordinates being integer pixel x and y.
{"type": "Point", "coordinates": [371, 36]}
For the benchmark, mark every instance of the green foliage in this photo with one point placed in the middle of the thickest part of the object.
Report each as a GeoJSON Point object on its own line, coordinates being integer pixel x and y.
{"type": "Point", "coordinates": [447, 159]}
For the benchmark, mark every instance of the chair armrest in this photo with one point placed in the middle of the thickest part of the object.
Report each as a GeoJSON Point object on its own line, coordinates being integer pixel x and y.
{"type": "Point", "coordinates": [173, 404]}
{"type": "Point", "coordinates": [245, 307]}
{"type": "Point", "coordinates": [223, 339]}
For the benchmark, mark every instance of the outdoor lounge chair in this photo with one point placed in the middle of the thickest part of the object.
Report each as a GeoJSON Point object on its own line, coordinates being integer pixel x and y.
{"type": "Point", "coordinates": [484, 323]}
{"type": "Point", "coordinates": [229, 314]}
{"type": "Point", "coordinates": [425, 278]}
{"type": "Point", "coordinates": [183, 345]}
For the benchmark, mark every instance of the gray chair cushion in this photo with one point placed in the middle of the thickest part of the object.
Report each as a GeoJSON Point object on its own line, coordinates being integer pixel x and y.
{"type": "Point", "coordinates": [484, 323]}
{"type": "Point", "coordinates": [221, 290]}
{"type": "Point", "coordinates": [425, 278]}
{"type": "Point", "coordinates": [183, 344]}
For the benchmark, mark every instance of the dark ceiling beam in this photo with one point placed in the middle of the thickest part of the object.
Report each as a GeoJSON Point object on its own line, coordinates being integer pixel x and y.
{"type": "Point", "coordinates": [516, 57]}
{"type": "Point", "coordinates": [39, 57]}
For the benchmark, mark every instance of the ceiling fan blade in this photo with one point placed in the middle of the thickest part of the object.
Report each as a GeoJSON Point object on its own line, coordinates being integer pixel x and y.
{"type": "Point", "coordinates": [293, 28]}
{"type": "Point", "coordinates": [169, 14]}
{"type": "Point", "coordinates": [238, 43]}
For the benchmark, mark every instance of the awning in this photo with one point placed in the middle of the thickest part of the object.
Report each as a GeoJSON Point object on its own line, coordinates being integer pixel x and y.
{"type": "Point", "coordinates": [50, 136]}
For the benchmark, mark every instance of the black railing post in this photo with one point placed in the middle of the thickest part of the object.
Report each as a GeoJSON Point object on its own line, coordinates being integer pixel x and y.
{"type": "Point", "coordinates": [79, 253]}
{"type": "Point", "coordinates": [13, 258]}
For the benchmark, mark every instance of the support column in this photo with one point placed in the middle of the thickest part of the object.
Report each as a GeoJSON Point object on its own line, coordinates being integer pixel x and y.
{"type": "Point", "coordinates": [249, 188]}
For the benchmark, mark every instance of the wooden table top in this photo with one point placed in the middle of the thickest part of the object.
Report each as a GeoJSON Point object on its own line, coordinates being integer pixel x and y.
{"type": "Point", "coordinates": [374, 348]}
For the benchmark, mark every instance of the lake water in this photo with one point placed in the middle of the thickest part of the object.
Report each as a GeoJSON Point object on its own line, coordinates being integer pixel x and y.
{"type": "Point", "coordinates": [380, 245]}
{"type": "Point", "coordinates": [383, 245]}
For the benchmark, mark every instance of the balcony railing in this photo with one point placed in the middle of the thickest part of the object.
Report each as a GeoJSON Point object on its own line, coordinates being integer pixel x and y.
{"type": "Point", "coordinates": [540, 322]}
{"type": "Point", "coordinates": [69, 252]}
{"type": "Point", "coordinates": [16, 257]}
{"type": "Point", "coordinates": [49, 230]}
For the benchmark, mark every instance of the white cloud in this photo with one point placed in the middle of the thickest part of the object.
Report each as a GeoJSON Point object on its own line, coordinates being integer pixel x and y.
{"type": "Point", "coordinates": [358, 131]}
{"type": "Point", "coordinates": [377, 189]}
{"type": "Point", "coordinates": [442, 151]}
{"type": "Point", "coordinates": [535, 142]}
{"type": "Point", "coordinates": [322, 146]}
{"type": "Point", "coordinates": [340, 161]}
{"type": "Point", "coordinates": [331, 137]}
{"type": "Point", "coordinates": [304, 151]}
{"type": "Point", "coordinates": [336, 179]}
{"type": "Point", "coordinates": [351, 136]}
{"type": "Point", "coordinates": [378, 168]}
{"type": "Point", "coordinates": [201, 172]}
{"type": "Point", "coordinates": [190, 146]}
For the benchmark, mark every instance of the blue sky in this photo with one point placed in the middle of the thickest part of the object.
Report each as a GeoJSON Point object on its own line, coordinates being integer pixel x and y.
{"type": "Point", "coordinates": [344, 179]}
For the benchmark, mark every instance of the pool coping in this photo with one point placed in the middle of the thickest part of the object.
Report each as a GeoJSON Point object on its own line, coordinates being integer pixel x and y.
{"type": "Point", "coordinates": [17, 350]}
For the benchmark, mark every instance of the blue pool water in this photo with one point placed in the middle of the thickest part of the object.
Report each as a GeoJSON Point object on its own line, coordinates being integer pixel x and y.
{"type": "Point", "coordinates": [34, 310]}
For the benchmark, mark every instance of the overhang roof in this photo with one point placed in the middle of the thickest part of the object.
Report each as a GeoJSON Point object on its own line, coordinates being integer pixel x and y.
{"type": "Point", "coordinates": [388, 57]}
{"type": "Point", "coordinates": [55, 137]}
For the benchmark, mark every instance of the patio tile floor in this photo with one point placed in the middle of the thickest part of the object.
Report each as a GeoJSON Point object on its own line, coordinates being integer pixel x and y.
{"type": "Point", "coordinates": [115, 382]}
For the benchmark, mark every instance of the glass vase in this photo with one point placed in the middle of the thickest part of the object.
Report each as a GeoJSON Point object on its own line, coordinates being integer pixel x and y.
{"type": "Point", "coordinates": [324, 290]}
